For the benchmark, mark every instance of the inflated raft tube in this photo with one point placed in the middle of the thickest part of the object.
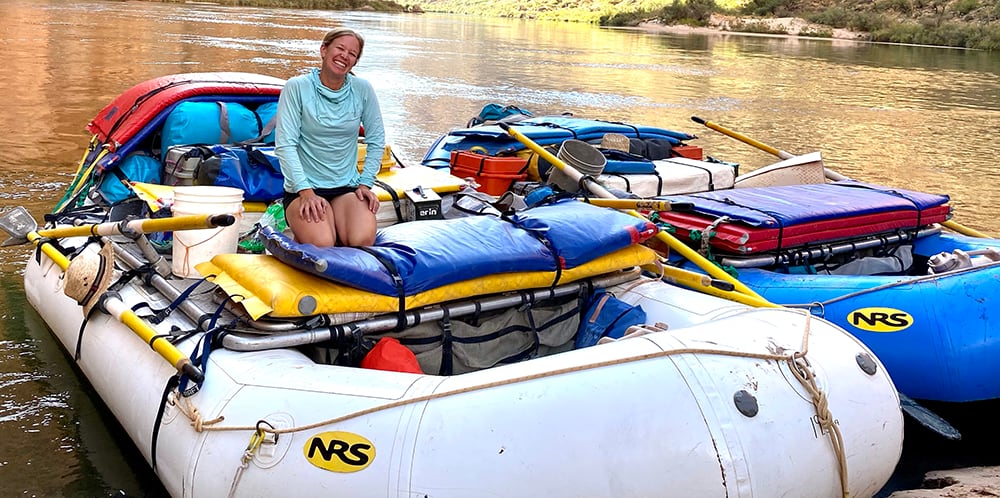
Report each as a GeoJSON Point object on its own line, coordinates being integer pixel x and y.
{"type": "Point", "coordinates": [138, 106]}
{"type": "Point", "coordinates": [707, 425]}
{"type": "Point", "coordinates": [937, 334]}
{"type": "Point", "coordinates": [632, 418]}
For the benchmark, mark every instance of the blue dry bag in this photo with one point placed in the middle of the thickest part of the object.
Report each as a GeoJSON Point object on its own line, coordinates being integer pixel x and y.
{"type": "Point", "coordinates": [208, 123]}
{"type": "Point", "coordinates": [137, 167]}
{"type": "Point", "coordinates": [492, 113]}
{"type": "Point", "coordinates": [251, 168]}
{"type": "Point", "coordinates": [606, 315]}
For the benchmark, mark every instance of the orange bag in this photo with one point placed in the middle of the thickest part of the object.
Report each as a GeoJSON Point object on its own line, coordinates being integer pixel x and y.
{"type": "Point", "coordinates": [389, 354]}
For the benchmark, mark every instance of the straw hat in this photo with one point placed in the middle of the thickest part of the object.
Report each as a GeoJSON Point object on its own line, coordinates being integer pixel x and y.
{"type": "Point", "coordinates": [616, 141]}
{"type": "Point", "coordinates": [89, 275]}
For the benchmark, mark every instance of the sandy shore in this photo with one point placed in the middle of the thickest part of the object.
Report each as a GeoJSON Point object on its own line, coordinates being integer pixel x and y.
{"type": "Point", "coordinates": [957, 483]}
{"type": "Point", "coordinates": [721, 23]}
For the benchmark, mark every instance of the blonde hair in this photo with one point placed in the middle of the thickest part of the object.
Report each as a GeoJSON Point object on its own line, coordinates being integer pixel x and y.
{"type": "Point", "coordinates": [335, 33]}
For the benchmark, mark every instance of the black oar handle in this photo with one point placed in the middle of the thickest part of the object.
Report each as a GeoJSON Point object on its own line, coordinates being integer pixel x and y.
{"type": "Point", "coordinates": [193, 372]}
{"type": "Point", "coordinates": [221, 220]}
{"type": "Point", "coordinates": [682, 206]}
{"type": "Point", "coordinates": [722, 285]}
{"type": "Point", "coordinates": [698, 120]}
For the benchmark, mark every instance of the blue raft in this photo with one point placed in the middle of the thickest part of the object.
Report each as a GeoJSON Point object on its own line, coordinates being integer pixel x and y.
{"type": "Point", "coordinates": [937, 334]}
{"type": "Point", "coordinates": [927, 302]}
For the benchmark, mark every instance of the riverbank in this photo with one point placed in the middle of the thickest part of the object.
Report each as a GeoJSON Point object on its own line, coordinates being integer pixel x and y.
{"type": "Point", "coordinates": [934, 467]}
{"type": "Point", "coordinates": [792, 26]}
{"type": "Point", "coordinates": [957, 483]}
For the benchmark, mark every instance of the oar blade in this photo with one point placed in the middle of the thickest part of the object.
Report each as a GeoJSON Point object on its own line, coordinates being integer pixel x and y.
{"type": "Point", "coordinates": [18, 223]}
{"type": "Point", "coordinates": [928, 418]}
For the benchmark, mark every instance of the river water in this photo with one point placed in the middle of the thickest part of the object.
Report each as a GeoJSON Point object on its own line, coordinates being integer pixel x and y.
{"type": "Point", "coordinates": [917, 117]}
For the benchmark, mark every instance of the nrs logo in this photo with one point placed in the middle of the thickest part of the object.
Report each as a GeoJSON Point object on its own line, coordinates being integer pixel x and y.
{"type": "Point", "coordinates": [339, 451]}
{"type": "Point", "coordinates": [880, 319]}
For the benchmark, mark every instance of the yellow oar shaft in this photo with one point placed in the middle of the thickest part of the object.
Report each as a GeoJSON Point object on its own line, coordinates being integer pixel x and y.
{"type": "Point", "coordinates": [964, 230]}
{"type": "Point", "coordinates": [699, 260]}
{"type": "Point", "coordinates": [187, 222]}
{"type": "Point", "coordinates": [743, 138]}
{"type": "Point", "coordinates": [829, 173]}
{"type": "Point", "coordinates": [597, 189]}
{"type": "Point", "coordinates": [127, 317]}
{"type": "Point", "coordinates": [164, 348]}
{"type": "Point", "coordinates": [49, 250]}
{"type": "Point", "coordinates": [703, 283]}
{"type": "Point", "coordinates": [650, 204]}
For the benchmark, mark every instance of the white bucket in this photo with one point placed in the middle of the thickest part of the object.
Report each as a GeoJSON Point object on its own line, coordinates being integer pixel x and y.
{"type": "Point", "coordinates": [195, 246]}
{"type": "Point", "coordinates": [583, 157]}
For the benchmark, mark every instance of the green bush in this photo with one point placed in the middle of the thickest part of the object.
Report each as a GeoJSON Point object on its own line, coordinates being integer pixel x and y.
{"type": "Point", "coordinates": [837, 17]}
{"type": "Point", "coordinates": [897, 33]}
{"type": "Point", "coordinates": [778, 8]}
{"type": "Point", "coordinates": [690, 12]}
{"type": "Point", "coordinates": [868, 22]}
{"type": "Point", "coordinates": [964, 7]}
{"type": "Point", "coordinates": [987, 38]}
{"type": "Point", "coordinates": [701, 10]}
{"type": "Point", "coordinates": [901, 6]}
{"type": "Point", "coordinates": [626, 18]}
{"type": "Point", "coordinates": [947, 34]}
{"type": "Point", "coordinates": [754, 27]}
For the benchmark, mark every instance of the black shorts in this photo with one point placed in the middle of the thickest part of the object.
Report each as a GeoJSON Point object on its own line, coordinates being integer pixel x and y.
{"type": "Point", "coordinates": [327, 193]}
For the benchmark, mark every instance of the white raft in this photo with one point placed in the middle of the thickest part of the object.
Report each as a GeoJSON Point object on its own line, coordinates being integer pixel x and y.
{"type": "Point", "coordinates": [707, 408]}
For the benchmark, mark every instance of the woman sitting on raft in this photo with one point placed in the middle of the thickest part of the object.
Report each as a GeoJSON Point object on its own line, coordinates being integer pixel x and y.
{"type": "Point", "coordinates": [327, 201]}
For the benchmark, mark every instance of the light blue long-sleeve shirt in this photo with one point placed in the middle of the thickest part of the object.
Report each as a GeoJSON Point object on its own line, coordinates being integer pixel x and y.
{"type": "Point", "coordinates": [316, 133]}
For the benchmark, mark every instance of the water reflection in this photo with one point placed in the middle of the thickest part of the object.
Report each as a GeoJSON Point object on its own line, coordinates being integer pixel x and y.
{"type": "Point", "coordinates": [58, 440]}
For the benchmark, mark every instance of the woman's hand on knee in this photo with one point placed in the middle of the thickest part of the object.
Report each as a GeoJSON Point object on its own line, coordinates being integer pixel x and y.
{"type": "Point", "coordinates": [312, 207]}
{"type": "Point", "coordinates": [365, 194]}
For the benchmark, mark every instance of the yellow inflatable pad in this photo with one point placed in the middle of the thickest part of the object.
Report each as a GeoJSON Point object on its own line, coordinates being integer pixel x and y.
{"type": "Point", "coordinates": [410, 177]}
{"type": "Point", "coordinates": [266, 286]}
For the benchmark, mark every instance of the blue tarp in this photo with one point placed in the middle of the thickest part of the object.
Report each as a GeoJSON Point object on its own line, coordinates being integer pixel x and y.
{"type": "Point", "coordinates": [543, 130]}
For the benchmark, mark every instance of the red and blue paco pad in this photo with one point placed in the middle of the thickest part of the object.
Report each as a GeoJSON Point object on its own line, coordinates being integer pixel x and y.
{"type": "Point", "coordinates": [782, 217]}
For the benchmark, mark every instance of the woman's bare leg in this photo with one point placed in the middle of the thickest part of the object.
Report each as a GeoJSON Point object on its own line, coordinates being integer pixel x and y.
{"type": "Point", "coordinates": [319, 233]}
{"type": "Point", "coordinates": [354, 222]}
